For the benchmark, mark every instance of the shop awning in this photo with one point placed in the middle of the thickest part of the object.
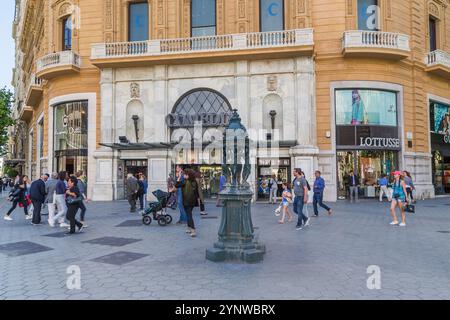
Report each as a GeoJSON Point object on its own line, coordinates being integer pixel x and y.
{"type": "Point", "coordinates": [14, 162]}
{"type": "Point", "coordinates": [137, 146]}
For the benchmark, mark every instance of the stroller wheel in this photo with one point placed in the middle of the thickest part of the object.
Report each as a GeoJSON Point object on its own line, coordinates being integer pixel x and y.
{"type": "Point", "coordinates": [147, 220]}
{"type": "Point", "coordinates": [162, 221]}
{"type": "Point", "coordinates": [168, 219]}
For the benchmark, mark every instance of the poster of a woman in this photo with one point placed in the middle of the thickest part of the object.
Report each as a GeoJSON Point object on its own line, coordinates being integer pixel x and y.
{"type": "Point", "coordinates": [358, 110]}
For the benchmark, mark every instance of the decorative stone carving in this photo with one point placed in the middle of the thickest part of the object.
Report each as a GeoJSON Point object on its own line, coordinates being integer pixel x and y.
{"type": "Point", "coordinates": [65, 9]}
{"type": "Point", "coordinates": [301, 6]}
{"type": "Point", "coordinates": [433, 9]}
{"type": "Point", "coordinates": [272, 83]}
{"type": "Point", "coordinates": [135, 91]}
{"type": "Point", "coordinates": [349, 7]}
{"type": "Point", "coordinates": [241, 9]}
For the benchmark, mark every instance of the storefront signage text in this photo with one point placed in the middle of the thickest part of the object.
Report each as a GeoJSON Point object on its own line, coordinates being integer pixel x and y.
{"type": "Point", "coordinates": [175, 120]}
{"type": "Point", "coordinates": [379, 142]}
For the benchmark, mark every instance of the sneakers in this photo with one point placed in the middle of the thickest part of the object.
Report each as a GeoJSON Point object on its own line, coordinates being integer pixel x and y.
{"type": "Point", "coordinates": [7, 218]}
{"type": "Point", "coordinates": [203, 213]}
{"type": "Point", "coordinates": [85, 225]}
{"type": "Point", "coordinates": [29, 217]}
{"type": "Point", "coordinates": [193, 233]}
{"type": "Point", "coordinates": [188, 230]}
{"type": "Point", "coordinates": [80, 229]}
{"type": "Point", "coordinates": [64, 225]}
{"type": "Point", "coordinates": [51, 223]}
{"type": "Point", "coordinates": [330, 212]}
{"type": "Point", "coordinates": [394, 223]}
{"type": "Point", "coordinates": [299, 227]}
{"type": "Point", "coordinates": [402, 224]}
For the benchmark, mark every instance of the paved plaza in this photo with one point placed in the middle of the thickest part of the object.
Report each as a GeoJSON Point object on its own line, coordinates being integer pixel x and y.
{"type": "Point", "coordinates": [119, 258]}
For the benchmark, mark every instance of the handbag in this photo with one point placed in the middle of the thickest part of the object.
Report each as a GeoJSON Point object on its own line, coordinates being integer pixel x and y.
{"type": "Point", "coordinates": [73, 200]}
{"type": "Point", "coordinates": [410, 208]}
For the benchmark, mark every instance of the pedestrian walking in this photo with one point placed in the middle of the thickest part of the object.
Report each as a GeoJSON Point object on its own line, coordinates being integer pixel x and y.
{"type": "Point", "coordinates": [319, 187]}
{"type": "Point", "coordinates": [142, 192]}
{"type": "Point", "coordinates": [201, 198]}
{"type": "Point", "coordinates": [50, 200]}
{"type": "Point", "coordinates": [37, 196]}
{"type": "Point", "coordinates": [74, 198]}
{"type": "Point", "coordinates": [399, 199]}
{"type": "Point", "coordinates": [132, 191]}
{"type": "Point", "coordinates": [222, 185]}
{"type": "Point", "coordinates": [273, 189]}
{"type": "Point", "coordinates": [353, 183]}
{"type": "Point", "coordinates": [83, 190]}
{"type": "Point", "coordinates": [189, 188]}
{"type": "Point", "coordinates": [183, 216]}
{"type": "Point", "coordinates": [60, 201]}
{"type": "Point", "coordinates": [17, 196]}
{"type": "Point", "coordinates": [285, 202]}
{"type": "Point", "coordinates": [409, 185]}
{"type": "Point", "coordinates": [301, 198]}
{"type": "Point", "coordinates": [383, 182]}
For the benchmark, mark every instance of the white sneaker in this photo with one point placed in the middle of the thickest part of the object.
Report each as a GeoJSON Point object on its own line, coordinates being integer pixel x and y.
{"type": "Point", "coordinates": [8, 218]}
{"type": "Point", "coordinates": [394, 223]}
{"type": "Point", "coordinates": [29, 217]}
{"type": "Point", "coordinates": [64, 225]}
{"type": "Point", "coordinates": [402, 224]}
{"type": "Point", "coordinates": [307, 222]}
{"type": "Point", "coordinates": [51, 223]}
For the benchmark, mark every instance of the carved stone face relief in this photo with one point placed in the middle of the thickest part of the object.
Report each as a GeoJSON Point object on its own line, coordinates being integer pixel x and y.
{"type": "Point", "coordinates": [135, 91]}
{"type": "Point", "coordinates": [272, 83]}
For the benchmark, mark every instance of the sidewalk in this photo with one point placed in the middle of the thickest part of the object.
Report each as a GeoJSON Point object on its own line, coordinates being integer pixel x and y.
{"type": "Point", "coordinates": [119, 258]}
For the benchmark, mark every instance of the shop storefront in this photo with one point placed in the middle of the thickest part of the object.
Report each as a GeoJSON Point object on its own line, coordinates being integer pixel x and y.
{"type": "Point", "coordinates": [367, 138]}
{"type": "Point", "coordinates": [440, 146]}
{"type": "Point", "coordinates": [71, 137]}
{"type": "Point", "coordinates": [268, 168]}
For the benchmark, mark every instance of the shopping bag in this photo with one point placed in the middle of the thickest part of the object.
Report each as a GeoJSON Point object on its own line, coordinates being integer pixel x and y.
{"type": "Point", "coordinates": [278, 210]}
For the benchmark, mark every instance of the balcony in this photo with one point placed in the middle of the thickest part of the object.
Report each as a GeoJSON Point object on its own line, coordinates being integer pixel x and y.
{"type": "Point", "coordinates": [438, 63]}
{"type": "Point", "coordinates": [57, 64]}
{"type": "Point", "coordinates": [25, 113]}
{"type": "Point", "coordinates": [376, 44]}
{"type": "Point", "coordinates": [220, 48]}
{"type": "Point", "coordinates": [34, 92]}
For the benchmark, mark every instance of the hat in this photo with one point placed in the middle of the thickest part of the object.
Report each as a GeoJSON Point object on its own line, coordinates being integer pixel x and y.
{"type": "Point", "coordinates": [395, 173]}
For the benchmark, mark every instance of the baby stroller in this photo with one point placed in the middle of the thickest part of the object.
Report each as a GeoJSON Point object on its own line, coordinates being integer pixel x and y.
{"type": "Point", "coordinates": [158, 210]}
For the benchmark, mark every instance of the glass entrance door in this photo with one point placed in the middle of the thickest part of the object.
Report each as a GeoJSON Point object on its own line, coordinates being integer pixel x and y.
{"type": "Point", "coordinates": [370, 165]}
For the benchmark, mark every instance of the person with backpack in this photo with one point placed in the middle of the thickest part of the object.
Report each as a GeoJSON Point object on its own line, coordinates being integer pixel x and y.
{"type": "Point", "coordinates": [319, 187]}
{"type": "Point", "coordinates": [301, 198]}
{"type": "Point", "coordinates": [189, 190]}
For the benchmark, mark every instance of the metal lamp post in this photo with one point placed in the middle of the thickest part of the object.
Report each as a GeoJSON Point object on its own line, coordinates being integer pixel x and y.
{"type": "Point", "coordinates": [236, 233]}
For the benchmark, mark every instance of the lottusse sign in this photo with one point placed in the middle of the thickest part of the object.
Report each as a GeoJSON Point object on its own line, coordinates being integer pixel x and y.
{"type": "Point", "coordinates": [379, 142]}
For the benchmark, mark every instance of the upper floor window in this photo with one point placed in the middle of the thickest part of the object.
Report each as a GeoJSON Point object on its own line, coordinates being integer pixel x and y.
{"type": "Point", "coordinates": [368, 15]}
{"type": "Point", "coordinates": [138, 21]}
{"type": "Point", "coordinates": [272, 15]}
{"type": "Point", "coordinates": [433, 33]}
{"type": "Point", "coordinates": [67, 34]}
{"type": "Point", "coordinates": [203, 18]}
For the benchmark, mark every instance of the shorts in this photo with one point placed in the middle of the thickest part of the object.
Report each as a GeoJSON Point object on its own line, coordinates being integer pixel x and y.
{"type": "Point", "coordinates": [285, 203]}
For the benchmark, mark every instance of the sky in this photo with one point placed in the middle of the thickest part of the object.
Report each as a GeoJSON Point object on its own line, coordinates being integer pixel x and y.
{"type": "Point", "coordinates": [6, 43]}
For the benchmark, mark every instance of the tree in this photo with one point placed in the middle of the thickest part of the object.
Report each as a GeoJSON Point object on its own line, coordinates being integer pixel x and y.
{"type": "Point", "coordinates": [6, 119]}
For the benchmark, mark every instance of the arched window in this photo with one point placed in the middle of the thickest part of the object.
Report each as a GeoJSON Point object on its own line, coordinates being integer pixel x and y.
{"type": "Point", "coordinates": [202, 104]}
{"type": "Point", "coordinates": [67, 33]}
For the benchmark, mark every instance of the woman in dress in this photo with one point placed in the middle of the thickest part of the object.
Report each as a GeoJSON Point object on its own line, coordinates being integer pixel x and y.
{"type": "Point", "coordinates": [286, 201]}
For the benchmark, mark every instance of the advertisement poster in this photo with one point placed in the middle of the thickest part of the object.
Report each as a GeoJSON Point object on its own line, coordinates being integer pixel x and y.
{"type": "Point", "coordinates": [441, 118]}
{"type": "Point", "coordinates": [366, 107]}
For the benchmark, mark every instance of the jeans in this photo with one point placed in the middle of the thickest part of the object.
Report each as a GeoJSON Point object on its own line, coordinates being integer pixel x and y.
{"type": "Point", "coordinates": [183, 215]}
{"type": "Point", "coordinates": [37, 205]}
{"type": "Point", "coordinates": [385, 190]}
{"type": "Point", "coordinates": [83, 210]}
{"type": "Point", "coordinates": [60, 201]}
{"type": "Point", "coordinates": [273, 195]}
{"type": "Point", "coordinates": [354, 189]}
{"type": "Point", "coordinates": [142, 201]}
{"type": "Point", "coordinates": [132, 202]}
{"type": "Point", "coordinates": [298, 209]}
{"type": "Point", "coordinates": [14, 206]}
{"type": "Point", "coordinates": [71, 214]}
{"type": "Point", "coordinates": [318, 199]}
{"type": "Point", "coordinates": [190, 219]}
